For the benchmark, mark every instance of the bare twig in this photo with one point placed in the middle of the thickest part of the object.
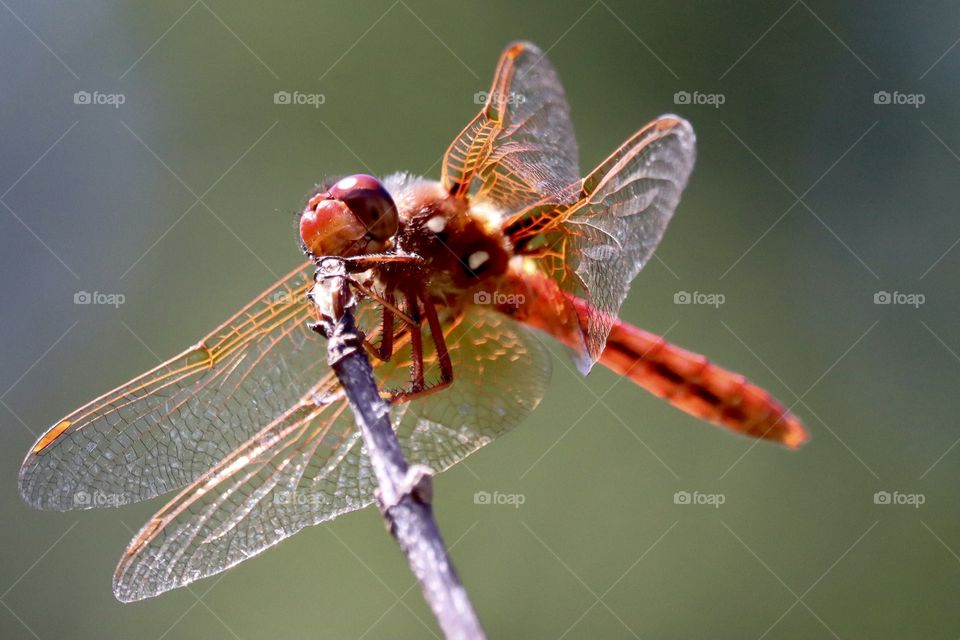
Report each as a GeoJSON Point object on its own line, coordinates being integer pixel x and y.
{"type": "Point", "coordinates": [404, 492]}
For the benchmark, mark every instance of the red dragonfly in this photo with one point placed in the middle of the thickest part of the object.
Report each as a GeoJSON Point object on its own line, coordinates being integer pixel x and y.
{"type": "Point", "coordinates": [456, 280]}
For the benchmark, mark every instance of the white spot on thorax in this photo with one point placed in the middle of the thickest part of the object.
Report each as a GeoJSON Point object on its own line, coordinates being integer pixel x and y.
{"type": "Point", "coordinates": [437, 224]}
{"type": "Point", "coordinates": [347, 183]}
{"type": "Point", "coordinates": [477, 258]}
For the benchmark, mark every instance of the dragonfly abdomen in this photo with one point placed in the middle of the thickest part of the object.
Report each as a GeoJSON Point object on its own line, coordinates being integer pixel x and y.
{"type": "Point", "coordinates": [695, 385]}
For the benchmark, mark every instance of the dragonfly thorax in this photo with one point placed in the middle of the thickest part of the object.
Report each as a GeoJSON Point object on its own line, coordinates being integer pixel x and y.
{"type": "Point", "coordinates": [460, 245]}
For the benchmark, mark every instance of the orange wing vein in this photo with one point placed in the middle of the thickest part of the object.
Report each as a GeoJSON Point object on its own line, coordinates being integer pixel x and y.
{"type": "Point", "coordinates": [308, 466]}
{"type": "Point", "coordinates": [595, 236]}
{"type": "Point", "coordinates": [166, 427]}
{"type": "Point", "coordinates": [521, 145]}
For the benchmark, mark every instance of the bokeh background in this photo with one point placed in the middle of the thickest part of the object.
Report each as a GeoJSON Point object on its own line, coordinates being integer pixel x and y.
{"type": "Point", "coordinates": [812, 194]}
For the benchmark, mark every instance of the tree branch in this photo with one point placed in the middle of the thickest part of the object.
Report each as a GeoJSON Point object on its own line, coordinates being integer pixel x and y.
{"type": "Point", "coordinates": [405, 492]}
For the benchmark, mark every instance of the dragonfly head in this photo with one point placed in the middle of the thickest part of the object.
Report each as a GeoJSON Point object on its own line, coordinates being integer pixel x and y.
{"type": "Point", "coordinates": [354, 216]}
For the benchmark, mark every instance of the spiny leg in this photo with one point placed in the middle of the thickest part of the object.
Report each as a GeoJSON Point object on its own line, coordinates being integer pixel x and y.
{"type": "Point", "coordinates": [439, 343]}
{"type": "Point", "coordinates": [416, 342]}
{"type": "Point", "coordinates": [386, 301]}
{"type": "Point", "coordinates": [373, 260]}
{"type": "Point", "coordinates": [419, 389]}
{"type": "Point", "coordinates": [391, 312]}
{"type": "Point", "coordinates": [387, 304]}
{"type": "Point", "coordinates": [413, 319]}
{"type": "Point", "coordinates": [386, 336]}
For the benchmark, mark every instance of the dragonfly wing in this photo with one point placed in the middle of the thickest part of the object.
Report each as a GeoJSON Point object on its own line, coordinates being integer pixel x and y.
{"type": "Point", "coordinates": [603, 229]}
{"type": "Point", "coordinates": [629, 200]}
{"type": "Point", "coordinates": [309, 466]}
{"type": "Point", "coordinates": [304, 468]}
{"type": "Point", "coordinates": [165, 428]}
{"type": "Point", "coordinates": [501, 372]}
{"type": "Point", "coordinates": [521, 146]}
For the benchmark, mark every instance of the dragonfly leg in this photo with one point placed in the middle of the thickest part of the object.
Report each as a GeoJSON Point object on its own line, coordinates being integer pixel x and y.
{"type": "Point", "coordinates": [439, 343]}
{"type": "Point", "coordinates": [385, 350]}
{"type": "Point", "coordinates": [419, 389]}
{"type": "Point", "coordinates": [411, 317]}
{"type": "Point", "coordinates": [416, 343]}
{"type": "Point", "coordinates": [386, 301]}
{"type": "Point", "coordinates": [371, 260]}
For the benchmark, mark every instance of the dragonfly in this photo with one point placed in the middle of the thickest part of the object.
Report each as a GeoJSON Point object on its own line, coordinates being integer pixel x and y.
{"type": "Point", "coordinates": [458, 282]}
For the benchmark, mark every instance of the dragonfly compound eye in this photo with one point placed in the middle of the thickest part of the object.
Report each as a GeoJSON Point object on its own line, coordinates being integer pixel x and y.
{"type": "Point", "coordinates": [353, 216]}
{"type": "Point", "coordinates": [370, 202]}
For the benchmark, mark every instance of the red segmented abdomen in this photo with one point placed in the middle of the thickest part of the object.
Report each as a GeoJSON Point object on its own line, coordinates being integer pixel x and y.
{"type": "Point", "coordinates": [686, 380]}
{"type": "Point", "coordinates": [694, 384]}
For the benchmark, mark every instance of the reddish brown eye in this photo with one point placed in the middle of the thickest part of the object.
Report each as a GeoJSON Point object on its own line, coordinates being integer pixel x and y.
{"type": "Point", "coordinates": [329, 228]}
{"type": "Point", "coordinates": [370, 202]}
{"type": "Point", "coordinates": [354, 216]}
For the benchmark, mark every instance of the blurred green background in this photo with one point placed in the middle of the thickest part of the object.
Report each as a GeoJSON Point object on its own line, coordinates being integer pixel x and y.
{"type": "Point", "coordinates": [98, 198]}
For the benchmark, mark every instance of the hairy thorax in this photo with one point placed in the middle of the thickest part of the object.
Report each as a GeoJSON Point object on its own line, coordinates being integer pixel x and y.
{"type": "Point", "coordinates": [462, 245]}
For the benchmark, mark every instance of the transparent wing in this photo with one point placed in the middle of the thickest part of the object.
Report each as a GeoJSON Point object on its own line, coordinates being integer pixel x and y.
{"type": "Point", "coordinates": [599, 232]}
{"type": "Point", "coordinates": [166, 427]}
{"type": "Point", "coordinates": [309, 465]}
{"type": "Point", "coordinates": [501, 372]}
{"type": "Point", "coordinates": [249, 501]}
{"type": "Point", "coordinates": [521, 146]}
